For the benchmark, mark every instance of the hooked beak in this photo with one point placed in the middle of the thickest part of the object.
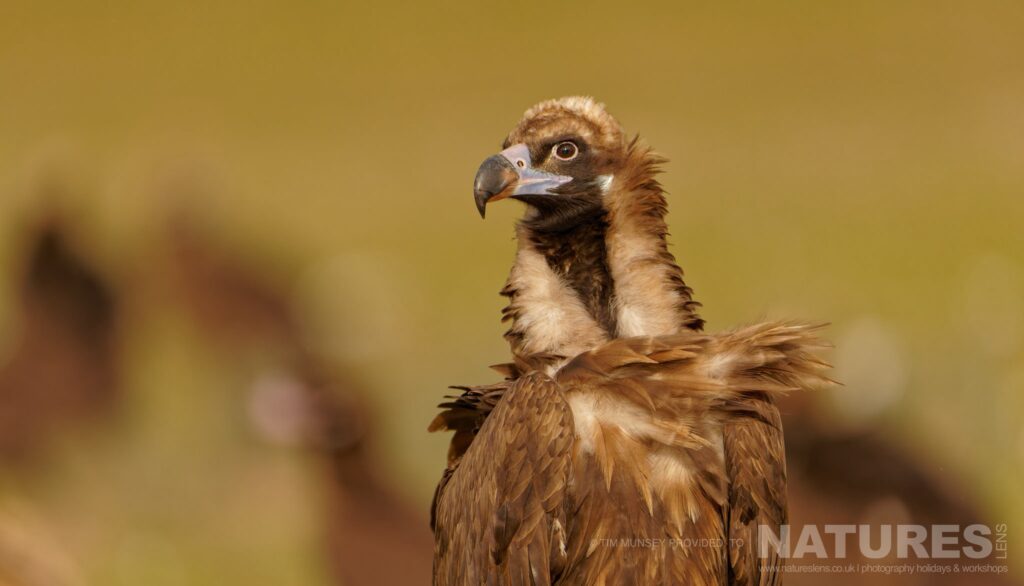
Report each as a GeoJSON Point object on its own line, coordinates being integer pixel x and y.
{"type": "Point", "coordinates": [509, 174]}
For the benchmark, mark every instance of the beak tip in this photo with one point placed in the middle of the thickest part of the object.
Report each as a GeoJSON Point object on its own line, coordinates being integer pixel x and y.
{"type": "Point", "coordinates": [481, 197]}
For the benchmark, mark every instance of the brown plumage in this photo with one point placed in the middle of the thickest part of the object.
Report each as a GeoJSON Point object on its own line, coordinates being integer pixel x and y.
{"type": "Point", "coordinates": [624, 446]}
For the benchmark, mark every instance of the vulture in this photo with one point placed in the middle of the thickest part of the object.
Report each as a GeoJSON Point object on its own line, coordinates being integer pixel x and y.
{"type": "Point", "coordinates": [372, 536]}
{"type": "Point", "coordinates": [64, 367]}
{"type": "Point", "coordinates": [624, 445]}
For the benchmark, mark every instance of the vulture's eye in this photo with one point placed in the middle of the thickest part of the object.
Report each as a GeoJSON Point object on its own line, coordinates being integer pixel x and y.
{"type": "Point", "coordinates": [566, 151]}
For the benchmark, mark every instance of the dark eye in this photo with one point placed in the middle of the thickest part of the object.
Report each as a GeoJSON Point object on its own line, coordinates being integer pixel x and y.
{"type": "Point", "coordinates": [566, 151]}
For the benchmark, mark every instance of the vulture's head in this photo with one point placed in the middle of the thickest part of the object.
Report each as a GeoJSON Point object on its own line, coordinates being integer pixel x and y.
{"type": "Point", "coordinates": [560, 160]}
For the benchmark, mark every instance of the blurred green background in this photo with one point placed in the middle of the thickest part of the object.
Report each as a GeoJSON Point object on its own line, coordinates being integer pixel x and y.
{"type": "Point", "coordinates": [861, 163]}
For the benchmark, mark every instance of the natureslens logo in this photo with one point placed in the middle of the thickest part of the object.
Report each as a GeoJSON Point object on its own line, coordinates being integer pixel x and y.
{"type": "Point", "coordinates": [900, 549]}
{"type": "Point", "coordinates": [905, 541]}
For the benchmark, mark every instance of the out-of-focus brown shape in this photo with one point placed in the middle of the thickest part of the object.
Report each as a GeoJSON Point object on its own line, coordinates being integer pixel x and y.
{"type": "Point", "coordinates": [373, 536]}
{"type": "Point", "coordinates": [63, 363]}
{"type": "Point", "coordinates": [231, 301]}
{"type": "Point", "coordinates": [861, 476]}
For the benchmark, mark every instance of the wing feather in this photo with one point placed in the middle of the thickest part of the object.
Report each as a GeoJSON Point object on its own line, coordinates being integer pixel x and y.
{"type": "Point", "coordinates": [501, 508]}
{"type": "Point", "coordinates": [755, 463]}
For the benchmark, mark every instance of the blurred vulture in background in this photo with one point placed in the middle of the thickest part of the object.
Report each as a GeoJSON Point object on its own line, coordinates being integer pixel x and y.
{"type": "Point", "coordinates": [63, 364]}
{"type": "Point", "coordinates": [374, 537]}
{"type": "Point", "coordinates": [61, 372]}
